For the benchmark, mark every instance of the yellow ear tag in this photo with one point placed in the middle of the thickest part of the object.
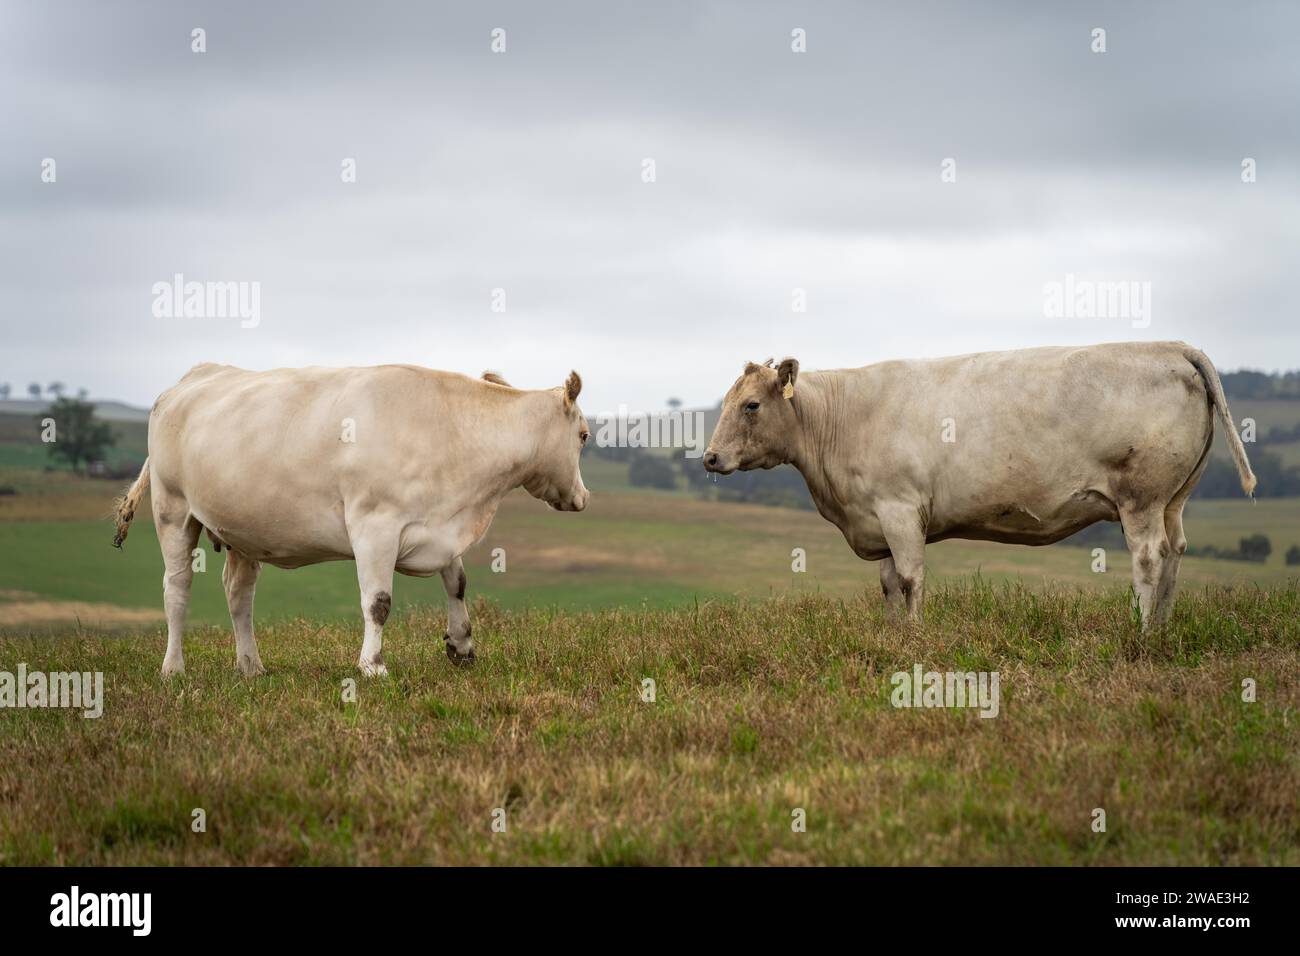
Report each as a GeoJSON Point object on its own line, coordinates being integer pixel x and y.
{"type": "Point", "coordinates": [788, 391]}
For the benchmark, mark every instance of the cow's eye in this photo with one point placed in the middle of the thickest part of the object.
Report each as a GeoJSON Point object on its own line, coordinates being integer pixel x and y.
{"type": "Point", "coordinates": [752, 407]}
{"type": "Point", "coordinates": [584, 436]}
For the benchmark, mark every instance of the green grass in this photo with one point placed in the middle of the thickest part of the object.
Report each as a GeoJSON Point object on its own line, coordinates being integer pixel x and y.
{"type": "Point", "coordinates": [761, 708]}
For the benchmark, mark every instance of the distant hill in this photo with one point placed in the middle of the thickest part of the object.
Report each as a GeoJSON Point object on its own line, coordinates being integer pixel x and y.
{"type": "Point", "coordinates": [21, 447]}
{"type": "Point", "coordinates": [107, 409]}
{"type": "Point", "coordinates": [1250, 384]}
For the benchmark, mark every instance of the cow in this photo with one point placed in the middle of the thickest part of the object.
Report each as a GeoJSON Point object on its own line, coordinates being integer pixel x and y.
{"type": "Point", "coordinates": [1024, 447]}
{"type": "Point", "coordinates": [397, 467]}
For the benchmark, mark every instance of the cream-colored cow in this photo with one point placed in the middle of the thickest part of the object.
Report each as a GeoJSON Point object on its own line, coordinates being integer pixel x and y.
{"type": "Point", "coordinates": [397, 467]}
{"type": "Point", "coordinates": [1026, 447]}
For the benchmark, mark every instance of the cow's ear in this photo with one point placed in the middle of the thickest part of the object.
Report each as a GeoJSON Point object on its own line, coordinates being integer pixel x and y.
{"type": "Point", "coordinates": [572, 387]}
{"type": "Point", "coordinates": [786, 373]}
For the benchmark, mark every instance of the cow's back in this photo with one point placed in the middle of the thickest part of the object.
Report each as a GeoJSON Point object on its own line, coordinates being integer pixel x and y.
{"type": "Point", "coordinates": [268, 461]}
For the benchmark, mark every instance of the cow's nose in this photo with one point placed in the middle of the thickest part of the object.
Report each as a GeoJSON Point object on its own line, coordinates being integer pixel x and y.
{"type": "Point", "coordinates": [710, 459]}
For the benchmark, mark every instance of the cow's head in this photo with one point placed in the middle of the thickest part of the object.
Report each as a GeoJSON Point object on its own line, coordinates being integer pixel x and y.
{"type": "Point", "coordinates": [558, 480]}
{"type": "Point", "coordinates": [758, 421]}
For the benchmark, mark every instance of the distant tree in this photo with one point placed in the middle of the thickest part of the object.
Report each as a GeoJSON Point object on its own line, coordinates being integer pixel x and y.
{"type": "Point", "coordinates": [1256, 548]}
{"type": "Point", "coordinates": [56, 389]}
{"type": "Point", "coordinates": [80, 438]}
{"type": "Point", "coordinates": [1250, 384]}
{"type": "Point", "coordinates": [1293, 554]}
{"type": "Point", "coordinates": [674, 403]}
{"type": "Point", "coordinates": [4, 390]}
{"type": "Point", "coordinates": [697, 479]}
{"type": "Point", "coordinates": [1247, 384]}
{"type": "Point", "coordinates": [652, 471]}
{"type": "Point", "coordinates": [782, 486]}
{"type": "Point", "coordinates": [34, 390]}
{"type": "Point", "coordinates": [82, 394]}
{"type": "Point", "coordinates": [1276, 480]}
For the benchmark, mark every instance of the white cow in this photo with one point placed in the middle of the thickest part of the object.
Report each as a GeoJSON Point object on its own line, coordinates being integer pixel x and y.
{"type": "Point", "coordinates": [397, 467]}
{"type": "Point", "coordinates": [1025, 447]}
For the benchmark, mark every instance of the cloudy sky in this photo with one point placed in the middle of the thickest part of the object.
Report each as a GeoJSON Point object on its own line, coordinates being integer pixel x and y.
{"type": "Point", "coordinates": [523, 171]}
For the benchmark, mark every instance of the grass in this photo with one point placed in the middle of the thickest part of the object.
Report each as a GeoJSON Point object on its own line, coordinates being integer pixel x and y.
{"type": "Point", "coordinates": [772, 694]}
{"type": "Point", "coordinates": [761, 708]}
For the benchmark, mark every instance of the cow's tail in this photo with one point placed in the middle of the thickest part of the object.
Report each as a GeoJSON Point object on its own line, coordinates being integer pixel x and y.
{"type": "Point", "coordinates": [1206, 368]}
{"type": "Point", "coordinates": [125, 506]}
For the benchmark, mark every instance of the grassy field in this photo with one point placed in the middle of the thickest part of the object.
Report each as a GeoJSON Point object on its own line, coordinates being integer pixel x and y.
{"type": "Point", "coordinates": [761, 709]}
{"type": "Point", "coordinates": [772, 694]}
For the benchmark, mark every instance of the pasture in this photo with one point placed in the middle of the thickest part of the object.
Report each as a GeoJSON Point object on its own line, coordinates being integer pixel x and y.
{"type": "Point", "coordinates": [772, 695]}
{"type": "Point", "coordinates": [761, 709]}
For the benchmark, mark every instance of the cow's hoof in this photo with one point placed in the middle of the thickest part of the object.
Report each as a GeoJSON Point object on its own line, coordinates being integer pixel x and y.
{"type": "Point", "coordinates": [172, 670]}
{"type": "Point", "coordinates": [456, 657]}
{"type": "Point", "coordinates": [373, 668]}
{"type": "Point", "coordinates": [250, 667]}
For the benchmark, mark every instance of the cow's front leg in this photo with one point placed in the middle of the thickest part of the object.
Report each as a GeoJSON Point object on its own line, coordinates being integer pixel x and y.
{"type": "Point", "coordinates": [892, 585]}
{"type": "Point", "coordinates": [376, 554]}
{"type": "Point", "coordinates": [459, 636]}
{"type": "Point", "coordinates": [905, 535]}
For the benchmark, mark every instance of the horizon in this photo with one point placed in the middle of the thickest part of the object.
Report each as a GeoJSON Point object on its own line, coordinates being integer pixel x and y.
{"type": "Point", "coordinates": [15, 397]}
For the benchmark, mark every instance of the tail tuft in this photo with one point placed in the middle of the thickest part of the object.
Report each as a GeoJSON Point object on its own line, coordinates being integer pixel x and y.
{"type": "Point", "coordinates": [124, 508]}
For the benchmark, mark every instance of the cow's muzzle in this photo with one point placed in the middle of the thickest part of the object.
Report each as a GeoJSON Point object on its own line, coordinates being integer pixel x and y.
{"type": "Point", "coordinates": [713, 463]}
{"type": "Point", "coordinates": [577, 503]}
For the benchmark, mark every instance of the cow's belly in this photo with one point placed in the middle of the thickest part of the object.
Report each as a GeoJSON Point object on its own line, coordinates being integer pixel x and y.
{"type": "Point", "coordinates": [287, 537]}
{"type": "Point", "coordinates": [1011, 522]}
{"type": "Point", "coordinates": [312, 531]}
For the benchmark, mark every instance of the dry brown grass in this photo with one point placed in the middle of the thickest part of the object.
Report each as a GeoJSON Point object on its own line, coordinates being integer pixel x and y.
{"type": "Point", "coordinates": [21, 609]}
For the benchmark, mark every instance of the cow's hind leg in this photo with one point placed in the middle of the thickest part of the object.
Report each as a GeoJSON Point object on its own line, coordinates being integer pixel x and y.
{"type": "Point", "coordinates": [1169, 572]}
{"type": "Point", "coordinates": [240, 578]}
{"type": "Point", "coordinates": [459, 636]}
{"type": "Point", "coordinates": [1177, 539]}
{"type": "Point", "coordinates": [1144, 531]}
{"type": "Point", "coordinates": [376, 554]}
{"type": "Point", "coordinates": [178, 533]}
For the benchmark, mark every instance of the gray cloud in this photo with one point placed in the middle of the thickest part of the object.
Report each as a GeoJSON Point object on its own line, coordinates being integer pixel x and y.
{"type": "Point", "coordinates": [522, 171]}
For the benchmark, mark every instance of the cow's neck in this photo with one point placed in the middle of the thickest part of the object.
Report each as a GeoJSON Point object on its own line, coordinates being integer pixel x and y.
{"type": "Point", "coordinates": [819, 409]}
{"type": "Point", "coordinates": [508, 437]}
{"type": "Point", "coordinates": [534, 426]}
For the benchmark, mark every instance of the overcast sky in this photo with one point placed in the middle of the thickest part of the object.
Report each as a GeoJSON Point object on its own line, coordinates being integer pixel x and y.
{"type": "Point", "coordinates": [523, 171]}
